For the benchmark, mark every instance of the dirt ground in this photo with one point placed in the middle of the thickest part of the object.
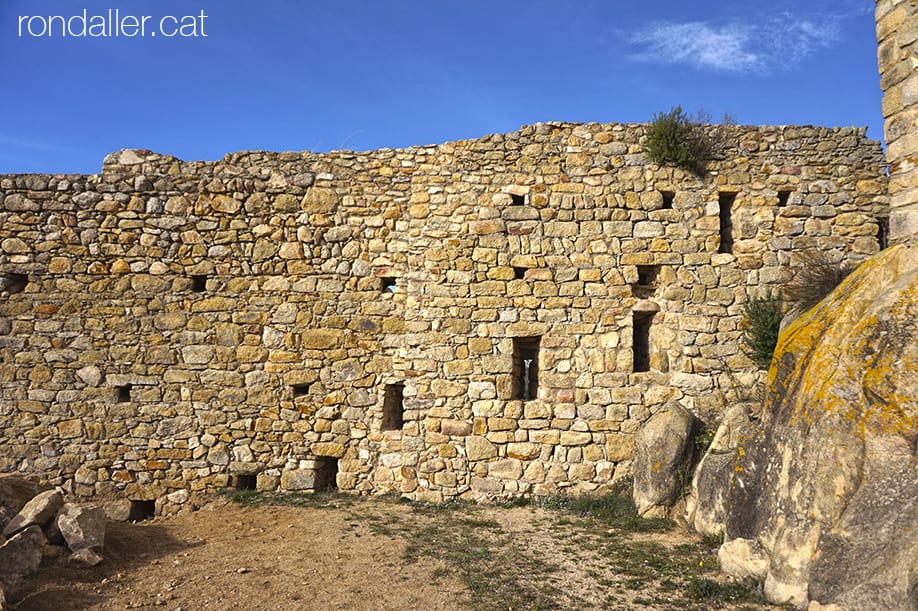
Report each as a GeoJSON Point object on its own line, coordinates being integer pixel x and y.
{"type": "Point", "coordinates": [363, 554]}
{"type": "Point", "coordinates": [229, 557]}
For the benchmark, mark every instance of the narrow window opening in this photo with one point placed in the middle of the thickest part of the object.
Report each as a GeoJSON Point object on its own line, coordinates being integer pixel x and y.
{"type": "Point", "coordinates": [641, 340]}
{"type": "Point", "coordinates": [248, 481]}
{"type": "Point", "coordinates": [13, 283]}
{"type": "Point", "coordinates": [326, 475]}
{"type": "Point", "coordinates": [299, 390]}
{"type": "Point", "coordinates": [783, 197]}
{"type": "Point", "coordinates": [519, 273]}
{"type": "Point", "coordinates": [141, 510]}
{"type": "Point", "coordinates": [526, 367]}
{"type": "Point", "coordinates": [124, 393]}
{"type": "Point", "coordinates": [726, 222]}
{"type": "Point", "coordinates": [387, 284]}
{"type": "Point", "coordinates": [517, 200]}
{"type": "Point", "coordinates": [393, 407]}
{"type": "Point", "coordinates": [883, 232]}
{"type": "Point", "coordinates": [668, 197]}
{"type": "Point", "coordinates": [198, 284]}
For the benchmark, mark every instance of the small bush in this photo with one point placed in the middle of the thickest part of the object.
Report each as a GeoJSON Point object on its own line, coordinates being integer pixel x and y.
{"type": "Point", "coordinates": [814, 277]}
{"type": "Point", "coordinates": [761, 325]}
{"type": "Point", "coordinates": [689, 143]}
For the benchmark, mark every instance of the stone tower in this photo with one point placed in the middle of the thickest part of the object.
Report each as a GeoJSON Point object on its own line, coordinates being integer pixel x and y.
{"type": "Point", "coordinates": [897, 55]}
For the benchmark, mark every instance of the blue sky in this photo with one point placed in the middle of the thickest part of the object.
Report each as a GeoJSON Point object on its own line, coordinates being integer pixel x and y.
{"type": "Point", "coordinates": [360, 75]}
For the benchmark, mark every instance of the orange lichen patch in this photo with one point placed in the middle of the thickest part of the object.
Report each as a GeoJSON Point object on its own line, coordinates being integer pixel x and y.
{"type": "Point", "coordinates": [853, 356]}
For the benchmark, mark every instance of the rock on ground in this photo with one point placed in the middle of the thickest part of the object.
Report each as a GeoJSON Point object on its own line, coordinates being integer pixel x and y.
{"type": "Point", "coordinates": [706, 506]}
{"type": "Point", "coordinates": [20, 557]}
{"type": "Point", "coordinates": [37, 511]}
{"type": "Point", "coordinates": [83, 527]}
{"type": "Point", "coordinates": [828, 484]}
{"type": "Point", "coordinates": [662, 455]}
{"type": "Point", "coordinates": [15, 492]}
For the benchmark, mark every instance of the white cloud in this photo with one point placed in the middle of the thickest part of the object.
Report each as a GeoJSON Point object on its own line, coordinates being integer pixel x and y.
{"type": "Point", "coordinates": [773, 42]}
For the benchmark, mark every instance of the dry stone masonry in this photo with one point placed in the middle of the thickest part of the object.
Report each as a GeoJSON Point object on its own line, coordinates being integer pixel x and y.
{"type": "Point", "coordinates": [897, 33]}
{"type": "Point", "coordinates": [481, 318]}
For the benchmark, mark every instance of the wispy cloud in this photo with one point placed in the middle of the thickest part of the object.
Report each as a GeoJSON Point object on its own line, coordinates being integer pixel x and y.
{"type": "Point", "coordinates": [778, 41]}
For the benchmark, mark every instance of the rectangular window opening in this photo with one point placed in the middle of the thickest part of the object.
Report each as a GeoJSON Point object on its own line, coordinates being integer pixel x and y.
{"type": "Point", "coordinates": [668, 197]}
{"type": "Point", "coordinates": [517, 200]}
{"type": "Point", "coordinates": [646, 284]}
{"type": "Point", "coordinates": [141, 510]}
{"type": "Point", "coordinates": [245, 481]}
{"type": "Point", "coordinates": [13, 283]}
{"type": "Point", "coordinates": [783, 198]}
{"type": "Point", "coordinates": [519, 273]}
{"type": "Point", "coordinates": [726, 222]}
{"type": "Point", "coordinates": [647, 274]}
{"type": "Point", "coordinates": [198, 284]}
{"type": "Point", "coordinates": [393, 407]}
{"type": "Point", "coordinates": [526, 367]}
{"type": "Point", "coordinates": [124, 393]}
{"type": "Point", "coordinates": [299, 390]}
{"type": "Point", "coordinates": [326, 475]}
{"type": "Point", "coordinates": [883, 232]}
{"type": "Point", "coordinates": [641, 340]}
{"type": "Point", "coordinates": [387, 284]}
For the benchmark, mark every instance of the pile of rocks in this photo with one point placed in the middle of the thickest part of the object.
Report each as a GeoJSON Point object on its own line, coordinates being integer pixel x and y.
{"type": "Point", "coordinates": [37, 524]}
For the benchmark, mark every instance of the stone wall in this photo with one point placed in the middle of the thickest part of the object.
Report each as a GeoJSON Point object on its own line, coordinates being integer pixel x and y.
{"type": "Point", "coordinates": [289, 319]}
{"type": "Point", "coordinates": [897, 33]}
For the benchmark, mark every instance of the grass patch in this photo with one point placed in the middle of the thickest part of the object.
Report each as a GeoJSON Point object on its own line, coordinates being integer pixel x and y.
{"type": "Point", "coordinates": [315, 500]}
{"type": "Point", "coordinates": [613, 511]}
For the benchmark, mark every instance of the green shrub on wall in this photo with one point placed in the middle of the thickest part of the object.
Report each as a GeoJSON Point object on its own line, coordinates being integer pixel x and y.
{"type": "Point", "coordinates": [675, 138]}
{"type": "Point", "coordinates": [761, 325]}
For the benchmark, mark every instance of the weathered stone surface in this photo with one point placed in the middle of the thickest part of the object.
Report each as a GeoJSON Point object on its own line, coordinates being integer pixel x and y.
{"type": "Point", "coordinates": [706, 505]}
{"type": "Point", "coordinates": [298, 479]}
{"type": "Point", "coordinates": [118, 510]}
{"type": "Point", "coordinates": [82, 526]}
{"type": "Point", "coordinates": [39, 510]}
{"type": "Point", "coordinates": [20, 556]}
{"type": "Point", "coordinates": [743, 558]}
{"type": "Point", "coordinates": [829, 480]}
{"type": "Point", "coordinates": [479, 448]}
{"type": "Point", "coordinates": [15, 492]}
{"type": "Point", "coordinates": [85, 557]}
{"type": "Point", "coordinates": [662, 451]}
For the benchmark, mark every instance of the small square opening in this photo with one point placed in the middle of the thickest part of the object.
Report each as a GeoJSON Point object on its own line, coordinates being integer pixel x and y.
{"type": "Point", "coordinates": [517, 200]}
{"type": "Point", "coordinates": [13, 283]}
{"type": "Point", "coordinates": [198, 284]}
{"type": "Point", "coordinates": [387, 284]}
{"type": "Point", "coordinates": [141, 510]}
{"type": "Point", "coordinates": [299, 390]}
{"type": "Point", "coordinates": [519, 273]}
{"type": "Point", "coordinates": [647, 275]}
{"type": "Point", "coordinates": [124, 393]}
{"type": "Point", "coordinates": [326, 475]}
{"type": "Point", "coordinates": [668, 198]}
{"type": "Point", "coordinates": [393, 407]}
{"type": "Point", "coordinates": [783, 198]}
{"type": "Point", "coordinates": [245, 481]}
